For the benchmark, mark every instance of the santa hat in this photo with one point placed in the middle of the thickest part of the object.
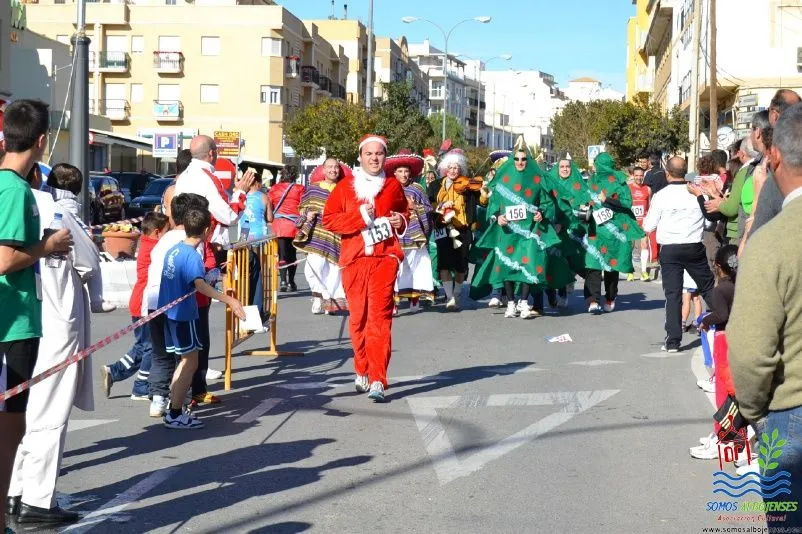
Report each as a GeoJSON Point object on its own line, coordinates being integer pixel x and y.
{"type": "Point", "coordinates": [319, 174]}
{"type": "Point", "coordinates": [404, 158]}
{"type": "Point", "coordinates": [372, 138]}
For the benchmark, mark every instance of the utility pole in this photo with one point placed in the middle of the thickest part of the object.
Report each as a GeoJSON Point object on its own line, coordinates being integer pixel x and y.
{"type": "Point", "coordinates": [79, 108]}
{"type": "Point", "coordinates": [369, 88]}
{"type": "Point", "coordinates": [713, 80]}
{"type": "Point", "coordinates": [694, 118]}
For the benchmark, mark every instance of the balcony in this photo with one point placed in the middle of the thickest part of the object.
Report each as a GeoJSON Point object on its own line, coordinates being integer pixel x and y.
{"type": "Point", "coordinates": [168, 110]}
{"type": "Point", "coordinates": [115, 109]}
{"type": "Point", "coordinates": [309, 76]}
{"type": "Point", "coordinates": [292, 66]}
{"type": "Point", "coordinates": [325, 84]}
{"type": "Point", "coordinates": [661, 12]}
{"type": "Point", "coordinates": [473, 102]}
{"type": "Point", "coordinates": [168, 62]}
{"type": "Point", "coordinates": [109, 61]}
{"type": "Point", "coordinates": [644, 83]}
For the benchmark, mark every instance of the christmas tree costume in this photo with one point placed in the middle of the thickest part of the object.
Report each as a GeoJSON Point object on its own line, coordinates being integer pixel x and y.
{"type": "Point", "coordinates": [518, 251]}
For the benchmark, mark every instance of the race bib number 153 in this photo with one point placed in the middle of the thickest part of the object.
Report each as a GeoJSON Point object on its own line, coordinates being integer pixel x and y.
{"type": "Point", "coordinates": [379, 231]}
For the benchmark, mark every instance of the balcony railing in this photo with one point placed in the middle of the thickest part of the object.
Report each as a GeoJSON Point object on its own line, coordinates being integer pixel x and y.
{"type": "Point", "coordinates": [325, 84]}
{"type": "Point", "coordinates": [309, 75]}
{"type": "Point", "coordinates": [115, 109]}
{"type": "Point", "coordinates": [109, 61]}
{"type": "Point", "coordinates": [292, 65]}
{"type": "Point", "coordinates": [168, 62]}
{"type": "Point", "coordinates": [168, 110]}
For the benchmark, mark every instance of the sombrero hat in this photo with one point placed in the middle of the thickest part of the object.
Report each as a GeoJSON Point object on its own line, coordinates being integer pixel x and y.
{"type": "Point", "coordinates": [319, 174]}
{"type": "Point", "coordinates": [498, 154]}
{"type": "Point", "coordinates": [404, 158]}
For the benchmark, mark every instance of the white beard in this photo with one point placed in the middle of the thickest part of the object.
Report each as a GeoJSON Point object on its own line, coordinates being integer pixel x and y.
{"type": "Point", "coordinates": [366, 186]}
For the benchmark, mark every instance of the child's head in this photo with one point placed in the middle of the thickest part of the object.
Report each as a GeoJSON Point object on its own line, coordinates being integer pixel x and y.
{"type": "Point", "coordinates": [67, 177]}
{"type": "Point", "coordinates": [155, 224]}
{"type": "Point", "coordinates": [197, 222]}
{"type": "Point", "coordinates": [257, 183]}
{"type": "Point", "coordinates": [183, 160]}
{"type": "Point", "coordinates": [183, 203]}
{"type": "Point", "coordinates": [727, 262]}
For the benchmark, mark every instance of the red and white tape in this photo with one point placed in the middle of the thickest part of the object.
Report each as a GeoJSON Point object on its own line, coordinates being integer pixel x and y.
{"type": "Point", "coordinates": [78, 356]}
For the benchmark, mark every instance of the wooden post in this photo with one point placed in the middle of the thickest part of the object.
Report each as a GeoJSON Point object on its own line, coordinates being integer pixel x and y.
{"type": "Point", "coordinates": [713, 80]}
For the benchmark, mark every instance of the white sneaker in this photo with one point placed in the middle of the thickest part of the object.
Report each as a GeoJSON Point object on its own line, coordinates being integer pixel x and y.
{"type": "Point", "coordinates": [708, 451]}
{"type": "Point", "coordinates": [562, 303]}
{"type": "Point", "coordinates": [495, 302]}
{"type": "Point", "coordinates": [361, 383]}
{"type": "Point", "coordinates": [414, 307]}
{"type": "Point", "coordinates": [747, 469]}
{"type": "Point", "coordinates": [708, 386]}
{"type": "Point", "coordinates": [743, 461]}
{"type": "Point", "coordinates": [524, 310]}
{"type": "Point", "coordinates": [512, 311]}
{"type": "Point", "coordinates": [376, 392]}
{"type": "Point", "coordinates": [609, 306]}
{"type": "Point", "coordinates": [103, 307]}
{"type": "Point", "coordinates": [182, 422]}
{"type": "Point", "coordinates": [710, 437]}
{"type": "Point", "coordinates": [670, 350]}
{"type": "Point", "coordinates": [158, 406]}
{"type": "Point", "coordinates": [451, 305]}
{"type": "Point", "coordinates": [317, 306]}
{"type": "Point", "coordinates": [213, 374]}
{"type": "Point", "coordinates": [594, 308]}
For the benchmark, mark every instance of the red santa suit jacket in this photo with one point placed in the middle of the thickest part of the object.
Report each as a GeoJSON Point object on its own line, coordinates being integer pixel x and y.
{"type": "Point", "coordinates": [344, 214]}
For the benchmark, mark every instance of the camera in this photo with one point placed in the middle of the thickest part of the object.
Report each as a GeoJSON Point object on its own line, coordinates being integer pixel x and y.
{"type": "Point", "coordinates": [585, 213]}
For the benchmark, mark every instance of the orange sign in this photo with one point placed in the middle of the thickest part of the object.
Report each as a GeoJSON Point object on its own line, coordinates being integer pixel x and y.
{"type": "Point", "coordinates": [228, 144]}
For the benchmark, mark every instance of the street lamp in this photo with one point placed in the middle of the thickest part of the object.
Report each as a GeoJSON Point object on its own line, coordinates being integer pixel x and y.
{"type": "Point", "coordinates": [446, 35]}
{"type": "Point", "coordinates": [505, 57]}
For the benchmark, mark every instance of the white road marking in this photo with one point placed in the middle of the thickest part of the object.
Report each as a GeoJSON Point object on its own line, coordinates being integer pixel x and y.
{"type": "Point", "coordinates": [440, 450]}
{"type": "Point", "coordinates": [82, 424]}
{"type": "Point", "coordinates": [594, 363]}
{"type": "Point", "coordinates": [661, 354]}
{"type": "Point", "coordinates": [257, 412]}
{"type": "Point", "coordinates": [121, 502]}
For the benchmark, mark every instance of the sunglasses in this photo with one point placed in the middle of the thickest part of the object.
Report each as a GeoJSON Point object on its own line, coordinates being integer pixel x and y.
{"type": "Point", "coordinates": [521, 159]}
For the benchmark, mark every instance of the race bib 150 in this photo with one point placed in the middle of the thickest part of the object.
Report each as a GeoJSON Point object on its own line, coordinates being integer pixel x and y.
{"type": "Point", "coordinates": [515, 213]}
{"type": "Point", "coordinates": [603, 215]}
{"type": "Point", "coordinates": [377, 232]}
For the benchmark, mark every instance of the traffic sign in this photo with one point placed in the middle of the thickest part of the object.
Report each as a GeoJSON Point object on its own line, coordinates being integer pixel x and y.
{"type": "Point", "coordinates": [594, 151]}
{"type": "Point", "coordinates": [745, 101]}
{"type": "Point", "coordinates": [165, 145]}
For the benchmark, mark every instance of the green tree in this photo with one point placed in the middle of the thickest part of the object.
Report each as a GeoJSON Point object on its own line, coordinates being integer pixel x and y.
{"type": "Point", "coordinates": [332, 126]}
{"type": "Point", "coordinates": [478, 162]}
{"type": "Point", "coordinates": [398, 118]}
{"type": "Point", "coordinates": [454, 130]}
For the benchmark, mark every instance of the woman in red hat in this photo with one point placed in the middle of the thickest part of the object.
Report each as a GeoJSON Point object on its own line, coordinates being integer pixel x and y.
{"type": "Point", "coordinates": [369, 212]}
{"type": "Point", "coordinates": [415, 272]}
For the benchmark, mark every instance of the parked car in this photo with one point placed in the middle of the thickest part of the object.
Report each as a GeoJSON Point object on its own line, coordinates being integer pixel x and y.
{"type": "Point", "coordinates": [132, 183]}
{"type": "Point", "coordinates": [151, 197]}
{"type": "Point", "coordinates": [107, 202]}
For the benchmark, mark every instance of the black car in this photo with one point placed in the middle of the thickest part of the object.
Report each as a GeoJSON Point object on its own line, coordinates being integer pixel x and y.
{"type": "Point", "coordinates": [151, 197]}
{"type": "Point", "coordinates": [106, 200]}
{"type": "Point", "coordinates": [132, 183]}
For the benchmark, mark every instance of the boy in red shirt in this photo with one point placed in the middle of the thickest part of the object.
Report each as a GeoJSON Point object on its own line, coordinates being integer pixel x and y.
{"type": "Point", "coordinates": [138, 358]}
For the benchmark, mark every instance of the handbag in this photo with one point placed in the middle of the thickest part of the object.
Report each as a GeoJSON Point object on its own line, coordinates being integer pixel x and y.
{"type": "Point", "coordinates": [731, 422]}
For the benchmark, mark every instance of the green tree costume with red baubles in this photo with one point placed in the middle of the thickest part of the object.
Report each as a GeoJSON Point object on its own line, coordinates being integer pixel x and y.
{"type": "Point", "coordinates": [520, 251]}
{"type": "Point", "coordinates": [608, 246]}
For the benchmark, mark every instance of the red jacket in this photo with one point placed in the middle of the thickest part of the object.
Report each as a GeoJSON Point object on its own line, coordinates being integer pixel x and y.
{"type": "Point", "coordinates": [342, 215]}
{"type": "Point", "coordinates": [146, 244]}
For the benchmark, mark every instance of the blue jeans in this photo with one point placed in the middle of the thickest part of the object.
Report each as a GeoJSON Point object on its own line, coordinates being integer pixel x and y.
{"type": "Point", "coordinates": [788, 424]}
{"type": "Point", "coordinates": [136, 361]}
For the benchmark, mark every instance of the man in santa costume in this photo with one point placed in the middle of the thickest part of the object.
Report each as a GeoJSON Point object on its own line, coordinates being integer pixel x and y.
{"type": "Point", "coordinates": [369, 211]}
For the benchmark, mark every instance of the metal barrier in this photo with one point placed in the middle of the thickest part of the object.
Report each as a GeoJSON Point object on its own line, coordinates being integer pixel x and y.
{"type": "Point", "coordinates": [237, 280]}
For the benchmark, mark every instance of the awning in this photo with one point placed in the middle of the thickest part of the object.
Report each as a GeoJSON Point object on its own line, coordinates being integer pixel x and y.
{"type": "Point", "coordinates": [112, 138]}
{"type": "Point", "coordinates": [259, 162]}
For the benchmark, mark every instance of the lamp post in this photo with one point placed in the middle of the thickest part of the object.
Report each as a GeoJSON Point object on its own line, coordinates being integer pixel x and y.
{"type": "Point", "coordinates": [446, 35]}
{"type": "Point", "coordinates": [79, 110]}
{"type": "Point", "coordinates": [505, 57]}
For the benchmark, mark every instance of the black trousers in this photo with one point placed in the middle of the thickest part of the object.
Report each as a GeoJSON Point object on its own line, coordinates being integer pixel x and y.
{"type": "Point", "coordinates": [593, 284]}
{"type": "Point", "coordinates": [509, 290]}
{"type": "Point", "coordinates": [674, 260]}
{"type": "Point", "coordinates": [537, 297]}
{"type": "Point", "coordinates": [162, 365]}
{"type": "Point", "coordinates": [287, 254]}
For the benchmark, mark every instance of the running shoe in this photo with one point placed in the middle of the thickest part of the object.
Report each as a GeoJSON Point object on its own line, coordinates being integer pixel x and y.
{"type": "Point", "coordinates": [495, 302]}
{"type": "Point", "coordinates": [158, 406]}
{"type": "Point", "coordinates": [708, 451]}
{"type": "Point", "coordinates": [748, 469]}
{"type": "Point", "coordinates": [630, 277]}
{"type": "Point", "coordinates": [213, 374]}
{"type": "Point", "coordinates": [317, 306]}
{"type": "Point", "coordinates": [512, 311]}
{"type": "Point", "coordinates": [451, 305]}
{"type": "Point", "coordinates": [527, 312]}
{"type": "Point", "coordinates": [182, 422]}
{"type": "Point", "coordinates": [609, 306]}
{"type": "Point", "coordinates": [414, 307]}
{"type": "Point", "coordinates": [594, 308]}
{"type": "Point", "coordinates": [136, 397]}
{"type": "Point", "coordinates": [376, 392]}
{"type": "Point", "coordinates": [361, 383]}
{"type": "Point", "coordinates": [670, 350]}
{"type": "Point", "coordinates": [108, 381]}
{"type": "Point", "coordinates": [206, 398]}
{"type": "Point", "coordinates": [644, 276]}
{"type": "Point", "coordinates": [710, 437]}
{"type": "Point", "coordinates": [708, 385]}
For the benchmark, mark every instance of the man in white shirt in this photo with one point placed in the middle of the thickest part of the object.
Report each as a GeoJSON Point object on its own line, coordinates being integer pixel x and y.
{"type": "Point", "coordinates": [679, 218]}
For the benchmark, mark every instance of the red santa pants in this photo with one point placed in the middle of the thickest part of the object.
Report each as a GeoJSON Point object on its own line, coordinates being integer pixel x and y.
{"type": "Point", "coordinates": [369, 283]}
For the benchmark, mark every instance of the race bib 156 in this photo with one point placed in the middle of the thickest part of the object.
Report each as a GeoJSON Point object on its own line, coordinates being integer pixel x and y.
{"type": "Point", "coordinates": [603, 215]}
{"type": "Point", "coordinates": [515, 213]}
{"type": "Point", "coordinates": [377, 232]}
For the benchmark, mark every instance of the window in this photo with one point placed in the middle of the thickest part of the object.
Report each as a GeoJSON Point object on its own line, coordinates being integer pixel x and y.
{"type": "Point", "coordinates": [209, 94]}
{"type": "Point", "coordinates": [63, 39]}
{"type": "Point", "coordinates": [137, 93]}
{"type": "Point", "coordinates": [271, 46]}
{"type": "Point", "coordinates": [169, 43]}
{"type": "Point", "coordinates": [137, 44]}
{"type": "Point", "coordinates": [116, 43]}
{"type": "Point", "coordinates": [169, 2]}
{"type": "Point", "coordinates": [270, 95]}
{"type": "Point", "coordinates": [169, 92]}
{"type": "Point", "coordinates": [210, 46]}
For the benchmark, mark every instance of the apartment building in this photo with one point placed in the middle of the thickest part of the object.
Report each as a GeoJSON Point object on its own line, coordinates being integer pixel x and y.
{"type": "Point", "coordinates": [198, 68]}
{"type": "Point", "coordinates": [393, 64]}
{"type": "Point", "coordinates": [352, 36]}
{"type": "Point", "coordinates": [640, 66]}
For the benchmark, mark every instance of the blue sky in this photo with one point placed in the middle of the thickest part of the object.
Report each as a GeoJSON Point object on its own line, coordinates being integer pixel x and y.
{"type": "Point", "coordinates": [566, 38]}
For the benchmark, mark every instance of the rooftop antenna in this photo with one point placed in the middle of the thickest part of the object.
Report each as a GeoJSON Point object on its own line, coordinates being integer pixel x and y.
{"type": "Point", "coordinates": [345, 11]}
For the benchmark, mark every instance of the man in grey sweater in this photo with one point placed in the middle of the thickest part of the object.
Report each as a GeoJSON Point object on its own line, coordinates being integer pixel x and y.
{"type": "Point", "coordinates": [769, 200]}
{"type": "Point", "coordinates": [765, 328]}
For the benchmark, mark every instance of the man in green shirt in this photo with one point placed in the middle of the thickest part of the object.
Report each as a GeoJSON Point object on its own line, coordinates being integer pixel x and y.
{"type": "Point", "coordinates": [25, 127]}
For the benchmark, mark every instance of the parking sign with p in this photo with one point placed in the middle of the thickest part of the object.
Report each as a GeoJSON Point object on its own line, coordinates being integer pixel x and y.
{"type": "Point", "coordinates": [165, 145]}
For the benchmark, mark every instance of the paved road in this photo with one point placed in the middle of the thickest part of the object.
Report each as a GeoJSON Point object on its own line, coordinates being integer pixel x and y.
{"type": "Point", "coordinates": [489, 428]}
